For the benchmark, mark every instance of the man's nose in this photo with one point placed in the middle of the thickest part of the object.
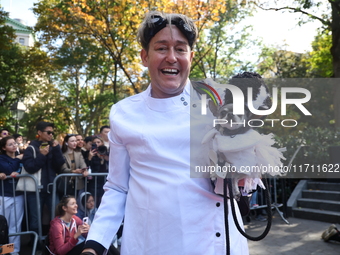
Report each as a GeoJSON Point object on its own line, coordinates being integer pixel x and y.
{"type": "Point", "coordinates": [171, 56]}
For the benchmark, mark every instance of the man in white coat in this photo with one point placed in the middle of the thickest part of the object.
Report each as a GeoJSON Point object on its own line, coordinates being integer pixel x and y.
{"type": "Point", "coordinates": [165, 210]}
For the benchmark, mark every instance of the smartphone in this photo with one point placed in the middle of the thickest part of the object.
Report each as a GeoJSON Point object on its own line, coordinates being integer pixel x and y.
{"type": "Point", "coordinates": [86, 220]}
{"type": "Point", "coordinates": [7, 248]}
{"type": "Point", "coordinates": [93, 146]}
{"type": "Point", "coordinates": [43, 145]}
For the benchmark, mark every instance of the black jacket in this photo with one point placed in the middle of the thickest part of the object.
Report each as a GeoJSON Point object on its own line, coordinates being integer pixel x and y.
{"type": "Point", "coordinates": [50, 164]}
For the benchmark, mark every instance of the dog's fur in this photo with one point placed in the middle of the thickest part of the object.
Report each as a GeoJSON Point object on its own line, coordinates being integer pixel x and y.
{"type": "Point", "coordinates": [260, 92]}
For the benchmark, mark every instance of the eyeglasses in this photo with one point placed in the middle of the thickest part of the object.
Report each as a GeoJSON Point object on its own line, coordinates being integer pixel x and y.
{"type": "Point", "coordinates": [12, 144]}
{"type": "Point", "coordinates": [49, 132]}
{"type": "Point", "coordinates": [159, 23]}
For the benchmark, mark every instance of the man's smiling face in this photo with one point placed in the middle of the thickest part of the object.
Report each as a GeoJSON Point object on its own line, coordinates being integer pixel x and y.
{"type": "Point", "coordinates": [169, 60]}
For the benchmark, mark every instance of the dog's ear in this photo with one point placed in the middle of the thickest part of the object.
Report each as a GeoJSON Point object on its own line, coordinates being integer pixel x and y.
{"type": "Point", "coordinates": [213, 108]}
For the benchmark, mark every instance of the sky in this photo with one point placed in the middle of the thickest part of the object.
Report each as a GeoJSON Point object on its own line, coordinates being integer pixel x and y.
{"type": "Point", "coordinates": [276, 28]}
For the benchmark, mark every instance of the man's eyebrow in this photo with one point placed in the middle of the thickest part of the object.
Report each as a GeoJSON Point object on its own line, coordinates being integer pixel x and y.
{"type": "Point", "coordinates": [166, 41]}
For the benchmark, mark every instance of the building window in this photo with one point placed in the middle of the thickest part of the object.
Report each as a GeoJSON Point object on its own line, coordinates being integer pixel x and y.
{"type": "Point", "coordinates": [22, 41]}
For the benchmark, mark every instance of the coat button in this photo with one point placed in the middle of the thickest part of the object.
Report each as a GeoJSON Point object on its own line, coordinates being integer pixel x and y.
{"type": "Point", "coordinates": [182, 99]}
{"type": "Point", "coordinates": [218, 234]}
{"type": "Point", "coordinates": [185, 103]}
{"type": "Point", "coordinates": [218, 204]}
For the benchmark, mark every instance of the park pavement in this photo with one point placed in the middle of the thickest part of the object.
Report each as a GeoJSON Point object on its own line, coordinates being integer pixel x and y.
{"type": "Point", "coordinates": [299, 237]}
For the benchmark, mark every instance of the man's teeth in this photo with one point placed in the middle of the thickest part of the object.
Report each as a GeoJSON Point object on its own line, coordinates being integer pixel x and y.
{"type": "Point", "coordinates": [170, 71]}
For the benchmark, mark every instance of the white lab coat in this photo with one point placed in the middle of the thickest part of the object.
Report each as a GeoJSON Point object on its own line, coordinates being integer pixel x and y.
{"type": "Point", "coordinates": [165, 210]}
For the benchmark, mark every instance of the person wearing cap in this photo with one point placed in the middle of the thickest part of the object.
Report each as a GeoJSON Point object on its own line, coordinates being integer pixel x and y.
{"type": "Point", "coordinates": [150, 184]}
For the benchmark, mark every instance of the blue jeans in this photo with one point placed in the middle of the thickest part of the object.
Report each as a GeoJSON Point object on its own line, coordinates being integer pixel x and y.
{"type": "Point", "coordinates": [32, 207]}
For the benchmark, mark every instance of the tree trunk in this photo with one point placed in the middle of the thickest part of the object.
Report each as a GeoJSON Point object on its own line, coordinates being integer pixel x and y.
{"type": "Point", "coordinates": [335, 51]}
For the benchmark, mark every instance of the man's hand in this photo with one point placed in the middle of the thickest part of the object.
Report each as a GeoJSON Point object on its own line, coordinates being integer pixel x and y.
{"type": "Point", "coordinates": [44, 150]}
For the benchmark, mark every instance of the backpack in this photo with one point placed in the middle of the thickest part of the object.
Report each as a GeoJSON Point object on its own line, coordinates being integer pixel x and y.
{"type": "Point", "coordinates": [3, 230]}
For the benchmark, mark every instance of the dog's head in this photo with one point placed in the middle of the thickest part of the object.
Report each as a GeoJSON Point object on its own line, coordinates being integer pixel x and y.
{"type": "Point", "coordinates": [238, 124]}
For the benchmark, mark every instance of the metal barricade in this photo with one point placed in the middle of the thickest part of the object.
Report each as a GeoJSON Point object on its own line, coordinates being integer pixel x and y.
{"type": "Point", "coordinates": [63, 177]}
{"type": "Point", "coordinates": [37, 236]}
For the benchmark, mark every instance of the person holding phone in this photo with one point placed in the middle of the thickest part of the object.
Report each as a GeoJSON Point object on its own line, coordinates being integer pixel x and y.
{"type": "Point", "coordinates": [67, 228]}
{"type": "Point", "coordinates": [74, 162]}
{"type": "Point", "coordinates": [47, 158]}
{"type": "Point", "coordinates": [99, 164]}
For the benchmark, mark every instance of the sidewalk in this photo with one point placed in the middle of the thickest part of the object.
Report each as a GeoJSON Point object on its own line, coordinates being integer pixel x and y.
{"type": "Point", "coordinates": [299, 237]}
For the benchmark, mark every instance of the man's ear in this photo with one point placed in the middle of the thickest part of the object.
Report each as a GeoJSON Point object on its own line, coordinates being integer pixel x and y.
{"type": "Point", "coordinates": [144, 57]}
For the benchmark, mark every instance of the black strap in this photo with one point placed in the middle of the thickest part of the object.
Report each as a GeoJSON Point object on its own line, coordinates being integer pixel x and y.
{"type": "Point", "coordinates": [228, 183]}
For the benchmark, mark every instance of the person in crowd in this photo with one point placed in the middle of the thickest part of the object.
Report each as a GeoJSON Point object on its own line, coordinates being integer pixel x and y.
{"type": "Point", "coordinates": [74, 162]}
{"type": "Point", "coordinates": [86, 206]}
{"type": "Point", "coordinates": [98, 158]}
{"type": "Point", "coordinates": [21, 146]}
{"type": "Point", "coordinates": [104, 131]}
{"type": "Point", "coordinates": [87, 149]}
{"type": "Point", "coordinates": [3, 133]}
{"type": "Point", "coordinates": [80, 143]}
{"type": "Point", "coordinates": [12, 205]}
{"type": "Point", "coordinates": [165, 210]}
{"type": "Point", "coordinates": [48, 159]}
{"type": "Point", "coordinates": [66, 228]}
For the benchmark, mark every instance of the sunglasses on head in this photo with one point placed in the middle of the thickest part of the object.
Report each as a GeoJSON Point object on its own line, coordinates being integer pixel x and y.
{"type": "Point", "coordinates": [49, 132]}
{"type": "Point", "coordinates": [159, 23]}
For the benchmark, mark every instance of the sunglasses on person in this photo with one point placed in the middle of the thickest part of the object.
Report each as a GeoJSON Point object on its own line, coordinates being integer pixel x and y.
{"type": "Point", "coordinates": [159, 23]}
{"type": "Point", "coordinates": [49, 132]}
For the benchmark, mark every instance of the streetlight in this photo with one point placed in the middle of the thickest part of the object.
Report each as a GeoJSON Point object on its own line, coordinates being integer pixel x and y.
{"type": "Point", "coordinates": [18, 109]}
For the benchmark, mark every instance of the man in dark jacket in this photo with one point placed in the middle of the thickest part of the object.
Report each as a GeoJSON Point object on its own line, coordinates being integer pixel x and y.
{"type": "Point", "coordinates": [49, 159]}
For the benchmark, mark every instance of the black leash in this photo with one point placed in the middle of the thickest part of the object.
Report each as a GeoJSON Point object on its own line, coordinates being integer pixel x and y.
{"type": "Point", "coordinates": [228, 182]}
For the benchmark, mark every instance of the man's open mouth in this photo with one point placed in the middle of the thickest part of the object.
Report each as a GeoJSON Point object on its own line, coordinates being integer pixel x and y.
{"type": "Point", "coordinates": [167, 71]}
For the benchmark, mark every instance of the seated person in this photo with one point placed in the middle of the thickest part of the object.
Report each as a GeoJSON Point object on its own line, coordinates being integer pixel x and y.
{"type": "Point", "coordinates": [66, 228]}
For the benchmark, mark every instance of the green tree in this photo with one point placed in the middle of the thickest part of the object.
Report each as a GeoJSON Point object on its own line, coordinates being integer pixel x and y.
{"type": "Point", "coordinates": [21, 69]}
{"type": "Point", "coordinates": [218, 48]}
{"type": "Point", "coordinates": [330, 20]}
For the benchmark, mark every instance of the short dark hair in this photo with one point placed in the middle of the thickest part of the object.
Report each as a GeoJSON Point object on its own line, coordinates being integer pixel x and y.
{"type": "Point", "coordinates": [42, 125]}
{"type": "Point", "coordinates": [101, 129]}
{"type": "Point", "coordinates": [88, 139]}
{"type": "Point", "coordinates": [16, 136]}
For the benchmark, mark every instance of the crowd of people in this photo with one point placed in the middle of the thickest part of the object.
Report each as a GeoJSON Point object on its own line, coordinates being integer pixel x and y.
{"type": "Point", "coordinates": [149, 185]}
{"type": "Point", "coordinates": [45, 155]}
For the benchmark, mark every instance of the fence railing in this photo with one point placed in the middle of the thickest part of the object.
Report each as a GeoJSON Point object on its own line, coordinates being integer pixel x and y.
{"type": "Point", "coordinates": [37, 236]}
{"type": "Point", "coordinates": [95, 177]}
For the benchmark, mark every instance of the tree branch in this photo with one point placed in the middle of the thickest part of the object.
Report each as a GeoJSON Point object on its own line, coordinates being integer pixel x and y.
{"type": "Point", "coordinates": [324, 22]}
